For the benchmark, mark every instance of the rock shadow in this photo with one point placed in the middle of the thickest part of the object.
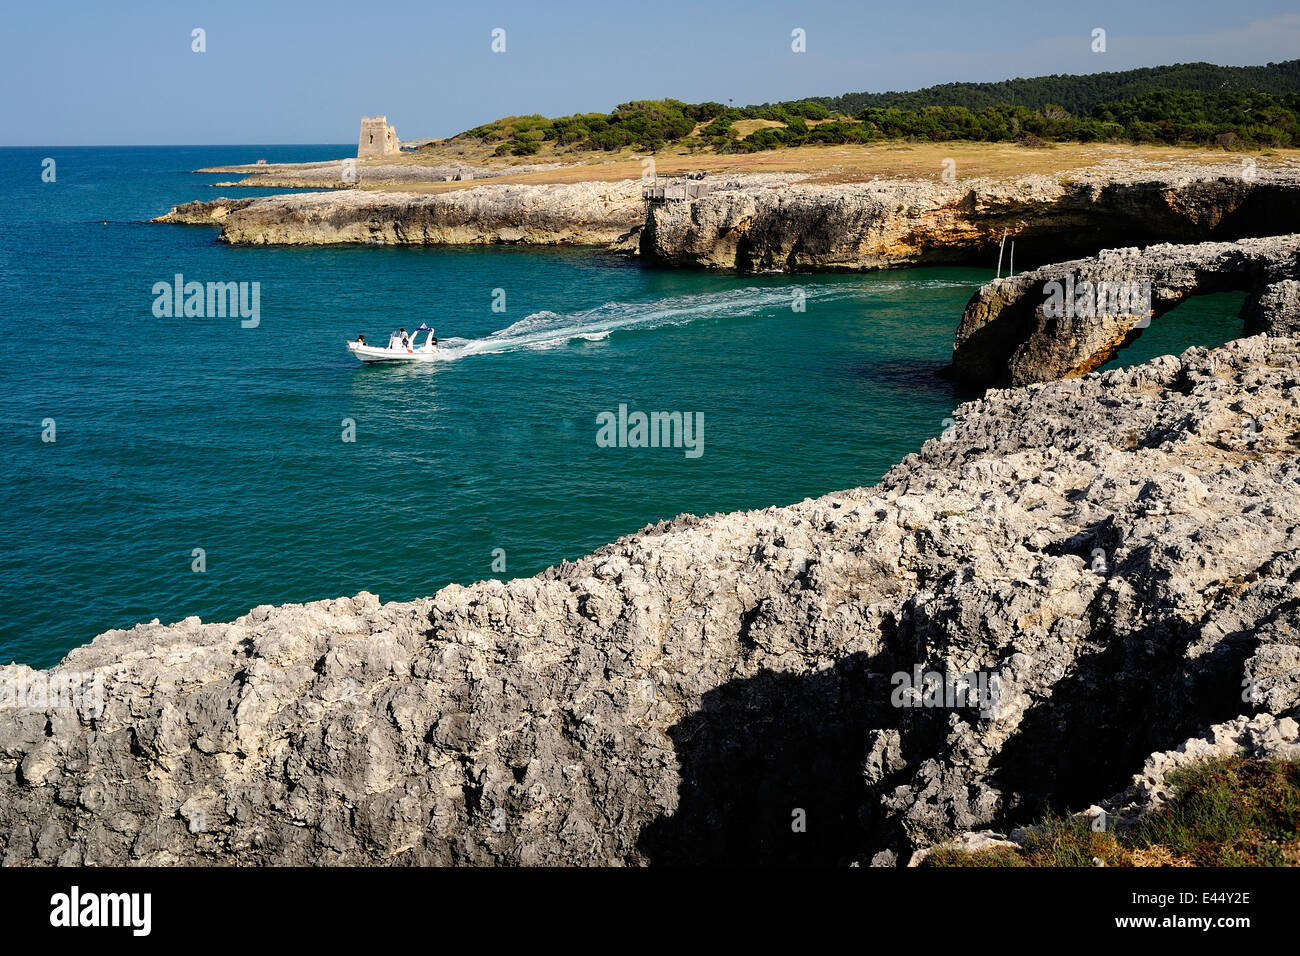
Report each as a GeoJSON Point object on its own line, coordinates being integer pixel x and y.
{"type": "Point", "coordinates": [764, 753]}
{"type": "Point", "coordinates": [1116, 706]}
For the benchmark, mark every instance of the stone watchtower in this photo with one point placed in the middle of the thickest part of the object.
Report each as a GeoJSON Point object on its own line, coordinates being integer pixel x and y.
{"type": "Point", "coordinates": [377, 137]}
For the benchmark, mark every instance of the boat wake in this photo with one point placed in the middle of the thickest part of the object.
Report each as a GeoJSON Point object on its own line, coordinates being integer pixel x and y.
{"type": "Point", "coordinates": [549, 330]}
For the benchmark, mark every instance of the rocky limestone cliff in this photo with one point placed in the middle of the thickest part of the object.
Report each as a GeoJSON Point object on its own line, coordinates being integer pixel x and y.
{"type": "Point", "coordinates": [605, 214]}
{"type": "Point", "coordinates": [781, 222]}
{"type": "Point", "coordinates": [1119, 551]}
{"type": "Point", "coordinates": [1072, 317]}
{"type": "Point", "coordinates": [203, 212]}
{"type": "Point", "coordinates": [887, 223]}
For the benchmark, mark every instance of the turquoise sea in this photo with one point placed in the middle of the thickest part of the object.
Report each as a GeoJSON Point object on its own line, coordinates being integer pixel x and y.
{"type": "Point", "coordinates": [177, 434]}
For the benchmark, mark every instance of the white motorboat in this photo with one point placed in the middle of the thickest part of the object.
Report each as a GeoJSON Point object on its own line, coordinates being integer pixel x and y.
{"type": "Point", "coordinates": [412, 351]}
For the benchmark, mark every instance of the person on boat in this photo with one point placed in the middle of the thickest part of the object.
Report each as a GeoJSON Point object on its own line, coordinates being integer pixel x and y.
{"type": "Point", "coordinates": [406, 339]}
{"type": "Point", "coordinates": [361, 338]}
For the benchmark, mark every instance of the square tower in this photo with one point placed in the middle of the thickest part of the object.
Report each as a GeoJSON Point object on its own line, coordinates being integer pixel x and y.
{"type": "Point", "coordinates": [377, 137]}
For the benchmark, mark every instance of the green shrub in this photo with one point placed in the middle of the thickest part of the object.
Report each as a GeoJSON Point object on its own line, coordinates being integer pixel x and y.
{"type": "Point", "coordinates": [1223, 812]}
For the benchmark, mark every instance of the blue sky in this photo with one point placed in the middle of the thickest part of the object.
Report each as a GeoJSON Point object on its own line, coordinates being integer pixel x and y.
{"type": "Point", "coordinates": [90, 72]}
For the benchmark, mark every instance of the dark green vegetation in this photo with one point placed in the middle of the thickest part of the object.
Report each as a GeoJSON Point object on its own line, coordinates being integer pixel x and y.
{"type": "Point", "coordinates": [1194, 104]}
{"type": "Point", "coordinates": [1080, 94]}
{"type": "Point", "coordinates": [1226, 812]}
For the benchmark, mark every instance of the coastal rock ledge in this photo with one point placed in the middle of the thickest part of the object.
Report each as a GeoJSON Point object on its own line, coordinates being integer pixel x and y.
{"type": "Point", "coordinates": [787, 222]}
{"type": "Point", "coordinates": [1120, 551]}
{"type": "Point", "coordinates": [1073, 317]}
{"type": "Point", "coordinates": [587, 213]}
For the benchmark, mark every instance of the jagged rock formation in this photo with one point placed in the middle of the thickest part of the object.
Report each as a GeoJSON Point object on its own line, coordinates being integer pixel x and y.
{"type": "Point", "coordinates": [909, 222]}
{"type": "Point", "coordinates": [1072, 317]}
{"type": "Point", "coordinates": [776, 222]}
{"type": "Point", "coordinates": [580, 213]}
{"type": "Point", "coordinates": [1275, 310]}
{"type": "Point", "coordinates": [203, 212]}
{"type": "Point", "coordinates": [1120, 551]}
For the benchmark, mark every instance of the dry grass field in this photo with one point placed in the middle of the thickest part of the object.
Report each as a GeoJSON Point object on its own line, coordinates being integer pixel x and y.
{"type": "Point", "coordinates": [830, 164]}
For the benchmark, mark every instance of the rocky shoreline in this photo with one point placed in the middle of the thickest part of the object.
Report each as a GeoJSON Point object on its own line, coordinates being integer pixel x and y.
{"type": "Point", "coordinates": [784, 222]}
{"type": "Point", "coordinates": [593, 214]}
{"type": "Point", "coordinates": [1118, 554]}
{"type": "Point", "coordinates": [1110, 559]}
{"type": "Point", "coordinates": [1009, 334]}
{"type": "Point", "coordinates": [1069, 318]}
{"type": "Point", "coordinates": [889, 223]}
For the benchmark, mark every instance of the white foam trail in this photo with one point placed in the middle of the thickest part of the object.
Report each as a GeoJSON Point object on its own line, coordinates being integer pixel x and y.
{"type": "Point", "coordinates": [547, 330]}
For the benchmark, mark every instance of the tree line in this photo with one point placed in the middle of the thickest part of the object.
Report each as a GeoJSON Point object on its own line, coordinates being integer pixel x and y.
{"type": "Point", "coordinates": [1209, 108]}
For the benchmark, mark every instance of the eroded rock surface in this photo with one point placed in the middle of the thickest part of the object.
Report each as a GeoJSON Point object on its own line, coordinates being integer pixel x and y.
{"type": "Point", "coordinates": [1121, 551]}
{"type": "Point", "coordinates": [894, 222]}
{"type": "Point", "coordinates": [785, 222]}
{"type": "Point", "coordinates": [1070, 318]}
{"type": "Point", "coordinates": [602, 214]}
